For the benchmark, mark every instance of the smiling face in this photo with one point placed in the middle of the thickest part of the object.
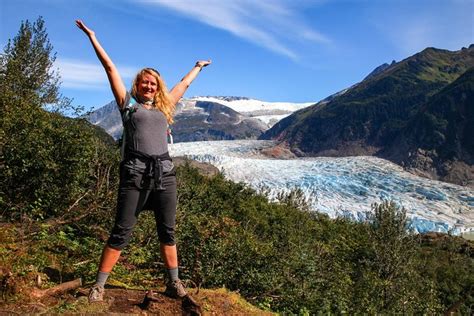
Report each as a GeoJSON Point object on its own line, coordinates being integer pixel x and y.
{"type": "Point", "coordinates": [147, 85]}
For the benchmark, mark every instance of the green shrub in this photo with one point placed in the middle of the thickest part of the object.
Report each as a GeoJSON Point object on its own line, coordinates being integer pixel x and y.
{"type": "Point", "coordinates": [49, 163]}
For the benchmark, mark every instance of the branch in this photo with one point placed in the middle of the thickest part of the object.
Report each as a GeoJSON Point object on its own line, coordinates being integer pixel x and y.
{"type": "Point", "coordinates": [77, 201]}
{"type": "Point", "coordinates": [58, 289]}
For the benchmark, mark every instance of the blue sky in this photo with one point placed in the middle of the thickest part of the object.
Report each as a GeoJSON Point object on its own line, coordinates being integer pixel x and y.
{"type": "Point", "coordinates": [272, 50]}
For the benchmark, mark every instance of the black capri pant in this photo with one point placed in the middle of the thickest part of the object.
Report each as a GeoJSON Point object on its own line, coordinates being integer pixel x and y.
{"type": "Point", "coordinates": [132, 199]}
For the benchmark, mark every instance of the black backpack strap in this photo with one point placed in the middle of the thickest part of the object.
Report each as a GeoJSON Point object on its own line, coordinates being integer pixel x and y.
{"type": "Point", "coordinates": [126, 116]}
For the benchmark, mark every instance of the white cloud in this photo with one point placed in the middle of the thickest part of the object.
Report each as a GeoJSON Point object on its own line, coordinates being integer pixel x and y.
{"type": "Point", "coordinates": [77, 74]}
{"type": "Point", "coordinates": [271, 24]}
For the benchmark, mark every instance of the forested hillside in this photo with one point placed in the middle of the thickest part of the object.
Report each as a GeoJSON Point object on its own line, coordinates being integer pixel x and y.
{"type": "Point", "coordinates": [439, 139]}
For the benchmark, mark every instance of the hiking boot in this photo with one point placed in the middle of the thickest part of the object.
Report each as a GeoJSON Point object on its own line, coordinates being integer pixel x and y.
{"type": "Point", "coordinates": [96, 294]}
{"type": "Point", "coordinates": [175, 289]}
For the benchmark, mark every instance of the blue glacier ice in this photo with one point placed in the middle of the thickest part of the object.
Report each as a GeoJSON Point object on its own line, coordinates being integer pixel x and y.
{"type": "Point", "coordinates": [346, 186]}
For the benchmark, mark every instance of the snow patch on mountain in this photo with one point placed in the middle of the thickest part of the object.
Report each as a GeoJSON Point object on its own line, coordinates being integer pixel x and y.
{"type": "Point", "coordinates": [271, 120]}
{"type": "Point", "coordinates": [249, 106]}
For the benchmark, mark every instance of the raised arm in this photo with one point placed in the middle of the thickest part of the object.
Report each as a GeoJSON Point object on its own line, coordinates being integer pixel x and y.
{"type": "Point", "coordinates": [178, 90]}
{"type": "Point", "coordinates": [116, 83]}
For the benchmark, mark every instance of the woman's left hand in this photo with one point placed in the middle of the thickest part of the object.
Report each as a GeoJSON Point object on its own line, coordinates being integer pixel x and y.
{"type": "Point", "coordinates": [203, 63]}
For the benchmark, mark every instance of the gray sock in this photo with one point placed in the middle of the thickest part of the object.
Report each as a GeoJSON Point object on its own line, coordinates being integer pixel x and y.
{"type": "Point", "coordinates": [101, 278]}
{"type": "Point", "coordinates": [173, 274]}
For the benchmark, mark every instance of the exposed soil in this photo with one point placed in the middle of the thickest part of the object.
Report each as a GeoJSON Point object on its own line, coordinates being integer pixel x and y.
{"type": "Point", "coordinates": [280, 151]}
{"type": "Point", "coordinates": [135, 302]}
{"type": "Point", "coordinates": [205, 169]}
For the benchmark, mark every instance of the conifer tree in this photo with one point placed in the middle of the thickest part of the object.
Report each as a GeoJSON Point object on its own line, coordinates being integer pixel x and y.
{"type": "Point", "coordinates": [26, 68]}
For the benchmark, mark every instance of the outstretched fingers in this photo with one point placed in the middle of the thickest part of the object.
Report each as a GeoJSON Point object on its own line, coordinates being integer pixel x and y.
{"type": "Point", "coordinates": [203, 63]}
{"type": "Point", "coordinates": [84, 28]}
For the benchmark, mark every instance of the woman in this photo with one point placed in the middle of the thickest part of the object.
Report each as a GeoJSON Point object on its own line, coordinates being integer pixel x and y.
{"type": "Point", "coordinates": [147, 177]}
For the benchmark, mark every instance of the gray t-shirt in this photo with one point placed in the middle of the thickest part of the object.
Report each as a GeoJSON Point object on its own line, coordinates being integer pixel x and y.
{"type": "Point", "coordinates": [146, 131]}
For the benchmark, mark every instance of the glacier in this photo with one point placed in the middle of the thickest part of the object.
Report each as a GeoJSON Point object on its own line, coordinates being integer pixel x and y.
{"type": "Point", "coordinates": [346, 186]}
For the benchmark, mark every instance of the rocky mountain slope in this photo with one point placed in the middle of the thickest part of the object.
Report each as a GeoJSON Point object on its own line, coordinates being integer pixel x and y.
{"type": "Point", "coordinates": [369, 116]}
{"type": "Point", "coordinates": [267, 112]}
{"type": "Point", "coordinates": [439, 140]}
{"type": "Point", "coordinates": [107, 117]}
{"type": "Point", "coordinates": [209, 118]}
{"type": "Point", "coordinates": [202, 120]}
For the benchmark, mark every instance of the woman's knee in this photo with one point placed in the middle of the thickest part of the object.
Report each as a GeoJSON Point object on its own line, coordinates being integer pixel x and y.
{"type": "Point", "coordinates": [166, 235]}
{"type": "Point", "coordinates": [120, 237]}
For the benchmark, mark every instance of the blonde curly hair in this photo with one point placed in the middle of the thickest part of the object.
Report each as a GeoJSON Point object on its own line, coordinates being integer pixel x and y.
{"type": "Point", "coordinates": [162, 100]}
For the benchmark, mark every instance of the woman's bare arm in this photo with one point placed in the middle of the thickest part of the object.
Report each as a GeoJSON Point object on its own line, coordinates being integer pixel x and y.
{"type": "Point", "coordinates": [116, 83]}
{"type": "Point", "coordinates": [178, 90]}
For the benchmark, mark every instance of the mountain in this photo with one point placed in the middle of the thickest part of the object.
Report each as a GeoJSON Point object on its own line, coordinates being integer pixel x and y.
{"type": "Point", "coordinates": [267, 112]}
{"type": "Point", "coordinates": [379, 70]}
{"type": "Point", "coordinates": [202, 120]}
{"type": "Point", "coordinates": [369, 116]}
{"type": "Point", "coordinates": [439, 140]}
{"type": "Point", "coordinates": [209, 118]}
{"type": "Point", "coordinates": [108, 117]}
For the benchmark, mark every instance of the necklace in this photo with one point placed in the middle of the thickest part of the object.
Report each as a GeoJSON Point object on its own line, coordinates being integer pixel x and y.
{"type": "Point", "coordinates": [148, 104]}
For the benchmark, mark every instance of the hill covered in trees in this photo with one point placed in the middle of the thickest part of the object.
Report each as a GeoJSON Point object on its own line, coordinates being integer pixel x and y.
{"type": "Point", "coordinates": [373, 116]}
{"type": "Point", "coordinates": [58, 198]}
{"type": "Point", "coordinates": [439, 139]}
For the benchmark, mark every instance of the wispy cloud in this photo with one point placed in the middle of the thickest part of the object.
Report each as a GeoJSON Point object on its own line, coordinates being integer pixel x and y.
{"type": "Point", "coordinates": [446, 25]}
{"type": "Point", "coordinates": [271, 24]}
{"type": "Point", "coordinates": [81, 75]}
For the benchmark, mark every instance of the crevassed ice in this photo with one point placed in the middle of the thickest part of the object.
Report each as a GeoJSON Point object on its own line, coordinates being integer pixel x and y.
{"type": "Point", "coordinates": [345, 186]}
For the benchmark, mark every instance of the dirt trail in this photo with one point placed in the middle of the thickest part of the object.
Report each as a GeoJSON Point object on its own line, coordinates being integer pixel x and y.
{"type": "Point", "coordinates": [132, 302]}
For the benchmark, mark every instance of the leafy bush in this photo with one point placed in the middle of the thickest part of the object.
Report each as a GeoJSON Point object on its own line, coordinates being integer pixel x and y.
{"type": "Point", "coordinates": [290, 259]}
{"type": "Point", "coordinates": [49, 163]}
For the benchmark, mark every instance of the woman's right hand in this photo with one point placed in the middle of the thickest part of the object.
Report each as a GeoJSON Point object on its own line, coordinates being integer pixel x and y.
{"type": "Point", "coordinates": [84, 28]}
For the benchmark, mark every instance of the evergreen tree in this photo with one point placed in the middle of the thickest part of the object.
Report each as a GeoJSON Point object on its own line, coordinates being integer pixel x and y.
{"type": "Point", "coordinates": [26, 68]}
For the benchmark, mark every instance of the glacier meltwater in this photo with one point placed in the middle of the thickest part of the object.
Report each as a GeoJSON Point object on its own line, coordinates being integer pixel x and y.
{"type": "Point", "coordinates": [345, 186]}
